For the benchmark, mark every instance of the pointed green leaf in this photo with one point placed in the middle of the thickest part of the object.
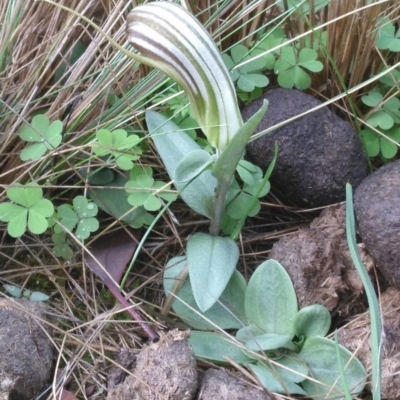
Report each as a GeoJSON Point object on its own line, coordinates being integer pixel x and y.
{"type": "Point", "coordinates": [192, 165]}
{"type": "Point", "coordinates": [172, 145]}
{"type": "Point", "coordinates": [226, 164]}
{"type": "Point", "coordinates": [211, 263]}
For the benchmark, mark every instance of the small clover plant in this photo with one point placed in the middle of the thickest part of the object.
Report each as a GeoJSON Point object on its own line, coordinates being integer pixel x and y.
{"type": "Point", "coordinates": [27, 210]}
{"type": "Point", "coordinates": [78, 218]}
{"type": "Point", "coordinates": [119, 146]}
{"type": "Point", "coordinates": [292, 67]}
{"type": "Point", "coordinates": [249, 76]}
{"type": "Point", "coordinates": [385, 117]}
{"type": "Point", "coordinates": [384, 113]}
{"type": "Point", "coordinates": [144, 191]}
{"type": "Point", "coordinates": [45, 136]}
{"type": "Point", "coordinates": [268, 322]}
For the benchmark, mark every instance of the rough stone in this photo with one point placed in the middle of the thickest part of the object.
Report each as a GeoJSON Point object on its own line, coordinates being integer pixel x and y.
{"type": "Point", "coordinates": [377, 207]}
{"type": "Point", "coordinates": [318, 153]}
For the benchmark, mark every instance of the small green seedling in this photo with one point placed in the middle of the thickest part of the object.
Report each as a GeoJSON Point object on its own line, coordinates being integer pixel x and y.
{"type": "Point", "coordinates": [121, 147]}
{"type": "Point", "coordinates": [144, 191]}
{"type": "Point", "coordinates": [27, 210]}
{"type": "Point", "coordinates": [45, 136]}
{"type": "Point", "coordinates": [79, 218]}
{"type": "Point", "coordinates": [17, 292]}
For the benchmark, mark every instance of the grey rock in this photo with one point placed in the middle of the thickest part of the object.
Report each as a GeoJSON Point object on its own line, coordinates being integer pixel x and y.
{"type": "Point", "coordinates": [318, 153]}
{"type": "Point", "coordinates": [377, 207]}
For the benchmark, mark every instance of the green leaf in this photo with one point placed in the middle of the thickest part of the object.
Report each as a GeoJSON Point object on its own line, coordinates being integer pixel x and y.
{"type": "Point", "coordinates": [382, 119]}
{"type": "Point", "coordinates": [211, 263]}
{"type": "Point", "coordinates": [113, 200]}
{"type": "Point", "coordinates": [68, 218]}
{"type": "Point", "coordinates": [238, 207]}
{"type": "Point", "coordinates": [37, 223]}
{"type": "Point", "coordinates": [192, 165]}
{"type": "Point", "coordinates": [30, 209]}
{"type": "Point", "coordinates": [38, 296]}
{"type": "Point", "coordinates": [215, 347]}
{"type": "Point", "coordinates": [388, 38]}
{"type": "Point", "coordinates": [47, 137]}
{"type": "Point", "coordinates": [320, 355]}
{"type": "Point", "coordinates": [25, 196]}
{"type": "Point", "coordinates": [14, 291]}
{"type": "Point", "coordinates": [307, 59]}
{"type": "Point", "coordinates": [172, 145]}
{"type": "Point", "coordinates": [371, 142]}
{"type": "Point", "coordinates": [226, 164]}
{"type": "Point", "coordinates": [248, 82]}
{"type": "Point", "coordinates": [289, 67]}
{"type": "Point", "coordinates": [388, 148]}
{"type": "Point", "coordinates": [271, 301]}
{"type": "Point", "coordinates": [268, 341]}
{"type": "Point", "coordinates": [17, 226]}
{"type": "Point", "coordinates": [372, 99]}
{"type": "Point", "coordinates": [85, 227]}
{"type": "Point", "coordinates": [248, 172]}
{"type": "Point", "coordinates": [314, 320]}
{"type": "Point", "coordinates": [84, 207]}
{"type": "Point", "coordinates": [226, 313]}
{"type": "Point", "coordinates": [271, 382]}
{"type": "Point", "coordinates": [9, 211]}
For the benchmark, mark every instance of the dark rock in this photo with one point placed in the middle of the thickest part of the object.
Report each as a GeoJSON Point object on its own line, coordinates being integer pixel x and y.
{"type": "Point", "coordinates": [165, 370]}
{"type": "Point", "coordinates": [219, 385]}
{"type": "Point", "coordinates": [319, 263]}
{"type": "Point", "coordinates": [318, 153]}
{"type": "Point", "coordinates": [26, 351]}
{"type": "Point", "coordinates": [377, 207]}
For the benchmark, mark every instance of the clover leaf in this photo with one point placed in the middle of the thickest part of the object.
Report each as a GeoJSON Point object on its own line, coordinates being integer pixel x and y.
{"type": "Point", "coordinates": [27, 209]}
{"type": "Point", "coordinates": [79, 218]}
{"type": "Point", "coordinates": [388, 38]}
{"type": "Point", "coordinates": [291, 67]}
{"type": "Point", "coordinates": [375, 143]}
{"type": "Point", "coordinates": [144, 191]}
{"type": "Point", "coordinates": [119, 146]}
{"type": "Point", "coordinates": [387, 113]}
{"type": "Point", "coordinates": [62, 246]}
{"type": "Point", "coordinates": [45, 135]}
{"type": "Point", "coordinates": [248, 76]}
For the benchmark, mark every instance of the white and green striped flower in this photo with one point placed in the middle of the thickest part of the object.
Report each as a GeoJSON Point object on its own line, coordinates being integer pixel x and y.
{"type": "Point", "coordinates": [172, 40]}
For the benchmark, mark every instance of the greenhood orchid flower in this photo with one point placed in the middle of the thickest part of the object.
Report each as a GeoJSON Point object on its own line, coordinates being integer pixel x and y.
{"type": "Point", "coordinates": [172, 40]}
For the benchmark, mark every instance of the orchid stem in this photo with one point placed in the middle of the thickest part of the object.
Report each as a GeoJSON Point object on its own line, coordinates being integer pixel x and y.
{"type": "Point", "coordinates": [219, 205]}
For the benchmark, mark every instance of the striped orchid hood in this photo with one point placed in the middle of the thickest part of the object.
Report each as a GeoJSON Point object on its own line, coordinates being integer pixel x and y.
{"type": "Point", "coordinates": [172, 40]}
